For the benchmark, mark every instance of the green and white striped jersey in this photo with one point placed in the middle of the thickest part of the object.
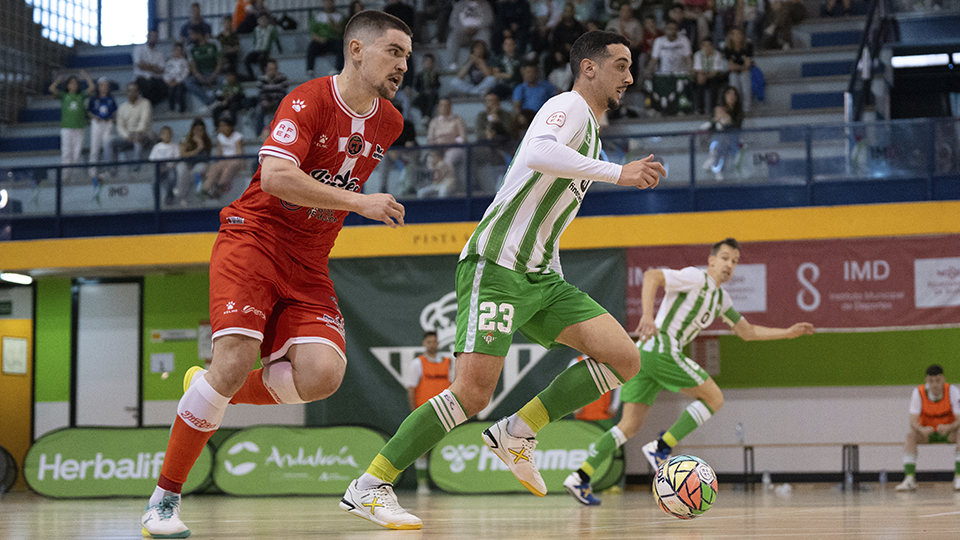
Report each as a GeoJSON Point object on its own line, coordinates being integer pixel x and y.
{"type": "Point", "coordinates": [691, 303]}
{"type": "Point", "coordinates": [522, 226]}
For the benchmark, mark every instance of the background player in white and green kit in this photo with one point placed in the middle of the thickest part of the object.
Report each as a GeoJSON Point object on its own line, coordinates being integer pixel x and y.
{"type": "Point", "coordinates": [509, 278]}
{"type": "Point", "coordinates": [693, 299]}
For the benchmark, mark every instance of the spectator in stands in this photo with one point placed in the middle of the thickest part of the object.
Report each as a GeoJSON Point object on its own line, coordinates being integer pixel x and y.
{"type": "Point", "coordinates": [670, 64]}
{"type": "Point", "coordinates": [148, 66]}
{"type": "Point", "coordinates": [611, 8]}
{"type": "Point", "coordinates": [195, 24]}
{"type": "Point", "coordinates": [493, 113]}
{"type": "Point", "coordinates": [475, 76]}
{"type": "Point", "coordinates": [356, 6]}
{"type": "Point", "coordinates": [586, 10]}
{"type": "Point", "coordinates": [264, 37]}
{"type": "Point", "coordinates": [175, 74]}
{"type": "Point", "coordinates": [326, 36]}
{"type": "Point", "coordinates": [515, 17]}
{"type": "Point", "coordinates": [447, 128]}
{"type": "Point", "coordinates": [782, 16]}
{"type": "Point", "coordinates": [728, 113]}
{"type": "Point", "coordinates": [246, 16]}
{"type": "Point", "coordinates": [685, 27]}
{"type": "Point", "coordinates": [399, 168]}
{"type": "Point", "coordinates": [102, 109]}
{"type": "Point", "coordinates": [230, 98]}
{"type": "Point", "coordinates": [271, 88]}
{"type": "Point", "coordinates": [727, 117]}
{"type": "Point", "coordinates": [402, 11]}
{"type": "Point", "coordinates": [700, 12]}
{"type": "Point", "coordinates": [229, 41]}
{"type": "Point", "coordinates": [725, 17]}
{"type": "Point", "coordinates": [426, 86]}
{"type": "Point", "coordinates": [710, 73]}
{"type": "Point", "coordinates": [221, 173]}
{"type": "Point", "coordinates": [739, 54]}
{"type": "Point", "coordinates": [163, 151]}
{"type": "Point", "coordinates": [533, 92]}
{"type": "Point", "coordinates": [73, 117]}
{"type": "Point", "coordinates": [629, 27]}
{"type": "Point", "coordinates": [195, 152]}
{"type": "Point", "coordinates": [507, 69]}
{"type": "Point", "coordinates": [470, 20]}
{"type": "Point", "coordinates": [829, 9]}
{"type": "Point", "coordinates": [490, 160]}
{"type": "Point", "coordinates": [205, 69]}
{"type": "Point", "coordinates": [134, 125]}
{"type": "Point", "coordinates": [443, 178]}
{"type": "Point", "coordinates": [650, 34]}
{"type": "Point", "coordinates": [560, 40]}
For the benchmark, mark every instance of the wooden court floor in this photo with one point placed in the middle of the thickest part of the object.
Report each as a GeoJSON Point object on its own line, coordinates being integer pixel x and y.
{"type": "Point", "coordinates": [810, 511]}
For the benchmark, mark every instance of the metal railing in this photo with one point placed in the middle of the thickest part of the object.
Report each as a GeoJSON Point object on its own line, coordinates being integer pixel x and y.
{"type": "Point", "coordinates": [785, 166]}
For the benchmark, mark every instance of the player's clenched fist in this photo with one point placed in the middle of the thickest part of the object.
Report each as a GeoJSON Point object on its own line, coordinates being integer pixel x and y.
{"type": "Point", "coordinates": [383, 207]}
{"type": "Point", "coordinates": [644, 173]}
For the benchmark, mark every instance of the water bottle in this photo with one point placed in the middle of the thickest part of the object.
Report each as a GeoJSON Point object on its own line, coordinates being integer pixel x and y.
{"type": "Point", "coordinates": [766, 481]}
{"type": "Point", "coordinates": [883, 478]}
{"type": "Point", "coordinates": [848, 480]}
{"type": "Point", "coordinates": [739, 429]}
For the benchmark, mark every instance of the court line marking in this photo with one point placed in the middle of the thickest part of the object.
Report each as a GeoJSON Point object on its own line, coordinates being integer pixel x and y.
{"type": "Point", "coordinates": [943, 514]}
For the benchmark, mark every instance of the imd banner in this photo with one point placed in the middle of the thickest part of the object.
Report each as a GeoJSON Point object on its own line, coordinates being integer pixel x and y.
{"type": "Point", "coordinates": [274, 460]}
{"type": "Point", "coordinates": [104, 462]}
{"type": "Point", "coordinates": [462, 463]}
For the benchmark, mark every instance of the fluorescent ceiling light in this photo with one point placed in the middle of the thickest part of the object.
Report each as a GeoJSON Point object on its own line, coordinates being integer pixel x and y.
{"type": "Point", "coordinates": [19, 279]}
{"type": "Point", "coordinates": [956, 58]}
{"type": "Point", "coordinates": [921, 60]}
{"type": "Point", "coordinates": [3, 198]}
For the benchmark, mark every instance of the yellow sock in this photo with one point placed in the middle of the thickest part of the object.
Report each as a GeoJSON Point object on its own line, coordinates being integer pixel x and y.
{"type": "Point", "coordinates": [383, 469]}
{"type": "Point", "coordinates": [534, 414]}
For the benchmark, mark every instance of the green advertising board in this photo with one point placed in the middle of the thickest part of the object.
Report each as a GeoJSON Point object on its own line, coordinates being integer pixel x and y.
{"type": "Point", "coordinates": [104, 462]}
{"type": "Point", "coordinates": [462, 463]}
{"type": "Point", "coordinates": [275, 460]}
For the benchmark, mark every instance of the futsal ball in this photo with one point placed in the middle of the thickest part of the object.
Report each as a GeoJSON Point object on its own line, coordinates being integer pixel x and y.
{"type": "Point", "coordinates": [685, 487]}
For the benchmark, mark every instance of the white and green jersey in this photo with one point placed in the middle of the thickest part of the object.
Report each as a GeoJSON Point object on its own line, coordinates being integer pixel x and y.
{"type": "Point", "coordinates": [543, 188]}
{"type": "Point", "coordinates": [691, 303]}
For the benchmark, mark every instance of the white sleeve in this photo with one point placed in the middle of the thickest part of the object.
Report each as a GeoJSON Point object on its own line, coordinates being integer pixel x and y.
{"type": "Point", "coordinates": [615, 398]}
{"type": "Point", "coordinates": [698, 61]}
{"type": "Point", "coordinates": [415, 373]}
{"type": "Point", "coordinates": [657, 46]}
{"type": "Point", "coordinates": [688, 279]}
{"type": "Point", "coordinates": [452, 373]}
{"type": "Point", "coordinates": [955, 399]}
{"type": "Point", "coordinates": [915, 404]}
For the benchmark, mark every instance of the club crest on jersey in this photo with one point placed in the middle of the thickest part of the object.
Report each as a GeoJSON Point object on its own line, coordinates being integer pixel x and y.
{"type": "Point", "coordinates": [378, 153]}
{"type": "Point", "coordinates": [285, 132]}
{"type": "Point", "coordinates": [355, 145]}
{"type": "Point", "coordinates": [557, 119]}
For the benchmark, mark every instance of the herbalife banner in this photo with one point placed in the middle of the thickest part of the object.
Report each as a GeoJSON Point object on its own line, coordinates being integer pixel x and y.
{"type": "Point", "coordinates": [271, 460]}
{"type": "Point", "coordinates": [388, 303]}
{"type": "Point", "coordinates": [104, 462]}
{"type": "Point", "coordinates": [462, 463]}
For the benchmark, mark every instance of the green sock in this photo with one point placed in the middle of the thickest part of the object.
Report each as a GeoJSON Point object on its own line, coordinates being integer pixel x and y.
{"type": "Point", "coordinates": [579, 385]}
{"type": "Point", "coordinates": [603, 448]}
{"type": "Point", "coordinates": [956, 466]}
{"type": "Point", "coordinates": [692, 417]}
{"type": "Point", "coordinates": [420, 432]}
{"type": "Point", "coordinates": [910, 464]}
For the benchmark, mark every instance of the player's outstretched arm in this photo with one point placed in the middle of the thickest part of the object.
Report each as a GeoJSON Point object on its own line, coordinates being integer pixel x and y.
{"type": "Point", "coordinates": [653, 279]}
{"type": "Point", "coordinates": [282, 178]}
{"type": "Point", "coordinates": [643, 173]}
{"type": "Point", "coordinates": [755, 332]}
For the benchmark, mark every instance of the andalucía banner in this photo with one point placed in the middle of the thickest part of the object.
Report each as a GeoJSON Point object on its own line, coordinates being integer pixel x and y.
{"type": "Point", "coordinates": [848, 285]}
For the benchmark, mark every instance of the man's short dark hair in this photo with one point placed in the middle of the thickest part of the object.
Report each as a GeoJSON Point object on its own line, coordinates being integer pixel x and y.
{"type": "Point", "coordinates": [429, 333]}
{"type": "Point", "coordinates": [732, 242]}
{"type": "Point", "coordinates": [934, 370]}
{"type": "Point", "coordinates": [373, 21]}
{"type": "Point", "coordinates": [593, 45]}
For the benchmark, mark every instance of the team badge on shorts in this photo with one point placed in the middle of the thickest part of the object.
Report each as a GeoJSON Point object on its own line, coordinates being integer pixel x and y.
{"type": "Point", "coordinates": [354, 145]}
{"type": "Point", "coordinates": [557, 119]}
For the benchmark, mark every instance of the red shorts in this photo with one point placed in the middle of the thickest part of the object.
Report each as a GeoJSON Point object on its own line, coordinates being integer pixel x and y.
{"type": "Point", "coordinates": [258, 290]}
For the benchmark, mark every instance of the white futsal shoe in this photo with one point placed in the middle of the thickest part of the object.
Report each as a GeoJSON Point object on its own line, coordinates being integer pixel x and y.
{"type": "Point", "coordinates": [162, 520]}
{"type": "Point", "coordinates": [909, 484]}
{"type": "Point", "coordinates": [517, 453]}
{"type": "Point", "coordinates": [380, 506]}
{"type": "Point", "coordinates": [956, 483]}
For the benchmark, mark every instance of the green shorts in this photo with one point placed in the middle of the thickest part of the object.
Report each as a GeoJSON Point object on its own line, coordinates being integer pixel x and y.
{"type": "Point", "coordinates": [938, 438]}
{"type": "Point", "coordinates": [493, 302]}
{"type": "Point", "coordinates": [661, 371]}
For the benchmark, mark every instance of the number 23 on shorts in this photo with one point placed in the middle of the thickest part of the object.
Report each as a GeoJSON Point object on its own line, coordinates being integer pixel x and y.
{"type": "Point", "coordinates": [488, 314]}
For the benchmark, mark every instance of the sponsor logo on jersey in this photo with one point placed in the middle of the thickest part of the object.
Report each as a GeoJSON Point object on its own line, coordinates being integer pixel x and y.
{"type": "Point", "coordinates": [355, 145]}
{"type": "Point", "coordinates": [234, 220]}
{"type": "Point", "coordinates": [579, 191]}
{"type": "Point", "coordinates": [285, 132]}
{"type": "Point", "coordinates": [343, 180]}
{"type": "Point", "coordinates": [378, 153]}
{"type": "Point", "coordinates": [323, 214]}
{"type": "Point", "coordinates": [255, 311]}
{"type": "Point", "coordinates": [557, 119]}
{"type": "Point", "coordinates": [231, 308]}
{"type": "Point", "coordinates": [298, 105]}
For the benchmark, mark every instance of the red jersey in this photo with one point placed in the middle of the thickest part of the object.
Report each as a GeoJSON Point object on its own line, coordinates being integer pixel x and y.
{"type": "Point", "coordinates": [314, 128]}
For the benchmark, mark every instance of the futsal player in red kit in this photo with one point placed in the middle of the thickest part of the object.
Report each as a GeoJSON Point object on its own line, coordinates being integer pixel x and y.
{"type": "Point", "coordinates": [270, 289]}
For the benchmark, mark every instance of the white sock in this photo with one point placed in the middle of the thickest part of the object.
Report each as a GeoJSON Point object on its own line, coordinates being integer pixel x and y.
{"type": "Point", "coordinates": [202, 407]}
{"type": "Point", "coordinates": [368, 481]}
{"type": "Point", "coordinates": [158, 495]}
{"type": "Point", "coordinates": [516, 427]}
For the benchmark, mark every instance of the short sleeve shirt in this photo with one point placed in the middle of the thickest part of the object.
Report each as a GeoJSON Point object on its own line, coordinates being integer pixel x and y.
{"type": "Point", "coordinates": [691, 302]}
{"type": "Point", "coordinates": [205, 57]}
{"type": "Point", "coordinates": [73, 114]}
{"type": "Point", "coordinates": [672, 55]}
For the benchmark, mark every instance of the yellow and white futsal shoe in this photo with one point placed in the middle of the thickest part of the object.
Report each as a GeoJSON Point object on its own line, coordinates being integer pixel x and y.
{"type": "Point", "coordinates": [191, 374]}
{"type": "Point", "coordinates": [380, 506]}
{"type": "Point", "coordinates": [517, 453]}
{"type": "Point", "coordinates": [162, 520]}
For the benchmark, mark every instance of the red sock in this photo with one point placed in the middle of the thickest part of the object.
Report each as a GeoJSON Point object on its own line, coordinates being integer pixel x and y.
{"type": "Point", "coordinates": [183, 450]}
{"type": "Point", "coordinates": [254, 391]}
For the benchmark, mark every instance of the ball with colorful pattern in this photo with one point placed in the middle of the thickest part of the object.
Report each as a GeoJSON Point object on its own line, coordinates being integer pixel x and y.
{"type": "Point", "coordinates": [685, 487]}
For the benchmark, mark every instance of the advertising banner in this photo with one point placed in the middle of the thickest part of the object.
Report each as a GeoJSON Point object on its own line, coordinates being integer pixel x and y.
{"type": "Point", "coordinates": [104, 462]}
{"type": "Point", "coordinates": [850, 284]}
{"type": "Point", "coordinates": [462, 463]}
{"type": "Point", "coordinates": [275, 460]}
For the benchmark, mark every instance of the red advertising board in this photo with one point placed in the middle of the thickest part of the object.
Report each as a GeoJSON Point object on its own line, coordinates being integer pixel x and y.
{"type": "Point", "coordinates": [870, 283]}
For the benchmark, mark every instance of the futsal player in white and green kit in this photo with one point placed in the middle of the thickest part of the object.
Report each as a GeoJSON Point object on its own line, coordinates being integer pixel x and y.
{"type": "Point", "coordinates": [509, 278]}
{"type": "Point", "coordinates": [693, 299]}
